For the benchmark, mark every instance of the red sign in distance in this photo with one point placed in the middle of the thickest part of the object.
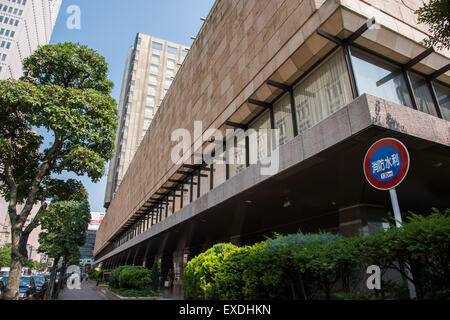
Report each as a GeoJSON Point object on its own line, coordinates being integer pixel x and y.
{"type": "Point", "coordinates": [386, 164]}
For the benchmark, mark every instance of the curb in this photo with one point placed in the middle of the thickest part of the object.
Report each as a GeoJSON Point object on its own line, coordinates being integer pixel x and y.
{"type": "Point", "coordinates": [132, 298]}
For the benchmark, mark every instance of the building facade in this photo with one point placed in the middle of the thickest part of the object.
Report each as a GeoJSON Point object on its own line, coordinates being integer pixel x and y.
{"type": "Point", "coordinates": [87, 250]}
{"type": "Point", "coordinates": [24, 26]}
{"type": "Point", "coordinates": [329, 81]}
{"type": "Point", "coordinates": [150, 68]}
{"type": "Point", "coordinates": [5, 230]}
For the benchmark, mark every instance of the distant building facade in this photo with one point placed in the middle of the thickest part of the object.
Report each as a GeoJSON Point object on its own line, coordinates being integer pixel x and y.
{"type": "Point", "coordinates": [5, 230]}
{"type": "Point", "coordinates": [87, 251]}
{"type": "Point", "coordinates": [24, 26]}
{"type": "Point", "coordinates": [150, 68]}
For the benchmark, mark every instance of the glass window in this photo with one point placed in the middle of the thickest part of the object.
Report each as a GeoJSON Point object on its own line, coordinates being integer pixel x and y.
{"type": "Point", "coordinates": [172, 50]}
{"type": "Point", "coordinates": [422, 94]}
{"type": "Point", "coordinates": [153, 77]}
{"type": "Point", "coordinates": [186, 193]}
{"type": "Point", "coordinates": [322, 93]}
{"type": "Point", "coordinates": [157, 45]}
{"type": "Point", "coordinates": [184, 53]}
{"type": "Point", "coordinates": [171, 63]}
{"type": "Point", "coordinates": [152, 88]}
{"type": "Point", "coordinates": [443, 96]}
{"type": "Point", "coordinates": [149, 109]}
{"type": "Point", "coordinates": [236, 152]}
{"type": "Point", "coordinates": [151, 98]}
{"type": "Point", "coordinates": [169, 81]}
{"type": "Point", "coordinates": [205, 182]}
{"type": "Point", "coordinates": [260, 143]}
{"type": "Point", "coordinates": [155, 58]}
{"type": "Point", "coordinates": [154, 68]}
{"type": "Point", "coordinates": [147, 122]}
{"type": "Point", "coordinates": [376, 77]}
{"type": "Point", "coordinates": [283, 119]}
{"type": "Point", "coordinates": [170, 72]}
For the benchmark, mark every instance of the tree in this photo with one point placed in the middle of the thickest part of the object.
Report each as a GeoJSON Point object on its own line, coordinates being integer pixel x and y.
{"type": "Point", "coordinates": [5, 256]}
{"type": "Point", "coordinates": [155, 276]}
{"type": "Point", "coordinates": [64, 91]}
{"type": "Point", "coordinates": [64, 231]}
{"type": "Point", "coordinates": [436, 14]}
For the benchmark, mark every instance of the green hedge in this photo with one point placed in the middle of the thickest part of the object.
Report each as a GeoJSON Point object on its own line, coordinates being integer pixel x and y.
{"type": "Point", "coordinates": [114, 278]}
{"type": "Point", "coordinates": [97, 275]}
{"type": "Point", "coordinates": [136, 278]}
{"type": "Point", "coordinates": [197, 281]}
{"type": "Point", "coordinates": [314, 266]}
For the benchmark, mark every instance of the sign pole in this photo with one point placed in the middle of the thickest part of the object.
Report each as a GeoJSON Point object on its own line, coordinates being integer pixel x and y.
{"type": "Point", "coordinates": [396, 207]}
{"type": "Point", "coordinates": [398, 223]}
{"type": "Point", "coordinates": [386, 164]}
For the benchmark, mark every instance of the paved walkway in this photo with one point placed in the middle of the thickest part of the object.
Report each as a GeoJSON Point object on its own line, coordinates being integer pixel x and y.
{"type": "Point", "coordinates": [88, 292]}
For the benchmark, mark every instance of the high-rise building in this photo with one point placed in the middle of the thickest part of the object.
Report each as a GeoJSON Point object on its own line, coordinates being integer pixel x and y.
{"type": "Point", "coordinates": [150, 68]}
{"type": "Point", "coordinates": [24, 26]}
{"type": "Point", "coordinates": [87, 250]}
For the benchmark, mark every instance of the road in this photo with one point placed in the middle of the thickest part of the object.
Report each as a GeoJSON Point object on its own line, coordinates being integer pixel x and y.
{"type": "Point", "coordinates": [88, 291]}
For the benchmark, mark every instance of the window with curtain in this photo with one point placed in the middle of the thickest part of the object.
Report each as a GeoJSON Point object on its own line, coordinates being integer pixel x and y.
{"type": "Point", "coordinates": [323, 92]}
{"type": "Point", "coordinates": [422, 94]}
{"type": "Point", "coordinates": [379, 78]}
{"type": "Point", "coordinates": [283, 119]}
{"type": "Point", "coordinates": [260, 143]}
{"type": "Point", "coordinates": [236, 157]}
{"type": "Point", "coordinates": [443, 96]}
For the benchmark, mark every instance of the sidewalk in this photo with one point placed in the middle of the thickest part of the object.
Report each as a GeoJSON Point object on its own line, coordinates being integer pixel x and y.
{"type": "Point", "coordinates": [88, 292]}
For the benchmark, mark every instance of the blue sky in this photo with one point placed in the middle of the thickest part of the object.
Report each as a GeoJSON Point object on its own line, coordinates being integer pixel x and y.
{"type": "Point", "coordinates": [110, 27]}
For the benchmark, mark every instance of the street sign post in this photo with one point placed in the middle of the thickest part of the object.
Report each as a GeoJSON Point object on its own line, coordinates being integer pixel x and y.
{"type": "Point", "coordinates": [386, 165]}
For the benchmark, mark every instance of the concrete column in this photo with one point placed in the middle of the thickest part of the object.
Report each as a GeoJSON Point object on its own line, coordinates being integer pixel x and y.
{"type": "Point", "coordinates": [135, 255]}
{"type": "Point", "coordinates": [127, 256]}
{"type": "Point", "coordinates": [144, 260]}
{"type": "Point", "coordinates": [362, 219]}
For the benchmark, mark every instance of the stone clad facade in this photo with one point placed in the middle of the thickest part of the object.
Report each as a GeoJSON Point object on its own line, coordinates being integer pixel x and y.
{"type": "Point", "coordinates": [241, 46]}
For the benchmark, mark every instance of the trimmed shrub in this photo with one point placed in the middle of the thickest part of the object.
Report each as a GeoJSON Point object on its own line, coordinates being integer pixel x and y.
{"type": "Point", "coordinates": [155, 276]}
{"type": "Point", "coordinates": [234, 279]}
{"type": "Point", "coordinates": [136, 278]}
{"type": "Point", "coordinates": [198, 274]}
{"type": "Point", "coordinates": [312, 266]}
{"type": "Point", "coordinates": [114, 278]}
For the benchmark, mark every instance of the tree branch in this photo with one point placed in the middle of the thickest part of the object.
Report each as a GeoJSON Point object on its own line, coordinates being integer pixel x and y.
{"type": "Point", "coordinates": [48, 162]}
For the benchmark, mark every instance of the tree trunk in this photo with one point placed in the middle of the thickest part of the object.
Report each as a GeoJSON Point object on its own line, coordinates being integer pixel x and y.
{"type": "Point", "coordinates": [18, 255]}
{"type": "Point", "coordinates": [62, 274]}
{"type": "Point", "coordinates": [51, 285]}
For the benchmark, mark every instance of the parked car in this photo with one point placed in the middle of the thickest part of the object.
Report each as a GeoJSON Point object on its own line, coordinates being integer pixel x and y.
{"type": "Point", "coordinates": [27, 287]}
{"type": "Point", "coordinates": [41, 286]}
{"type": "Point", "coordinates": [3, 283]}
